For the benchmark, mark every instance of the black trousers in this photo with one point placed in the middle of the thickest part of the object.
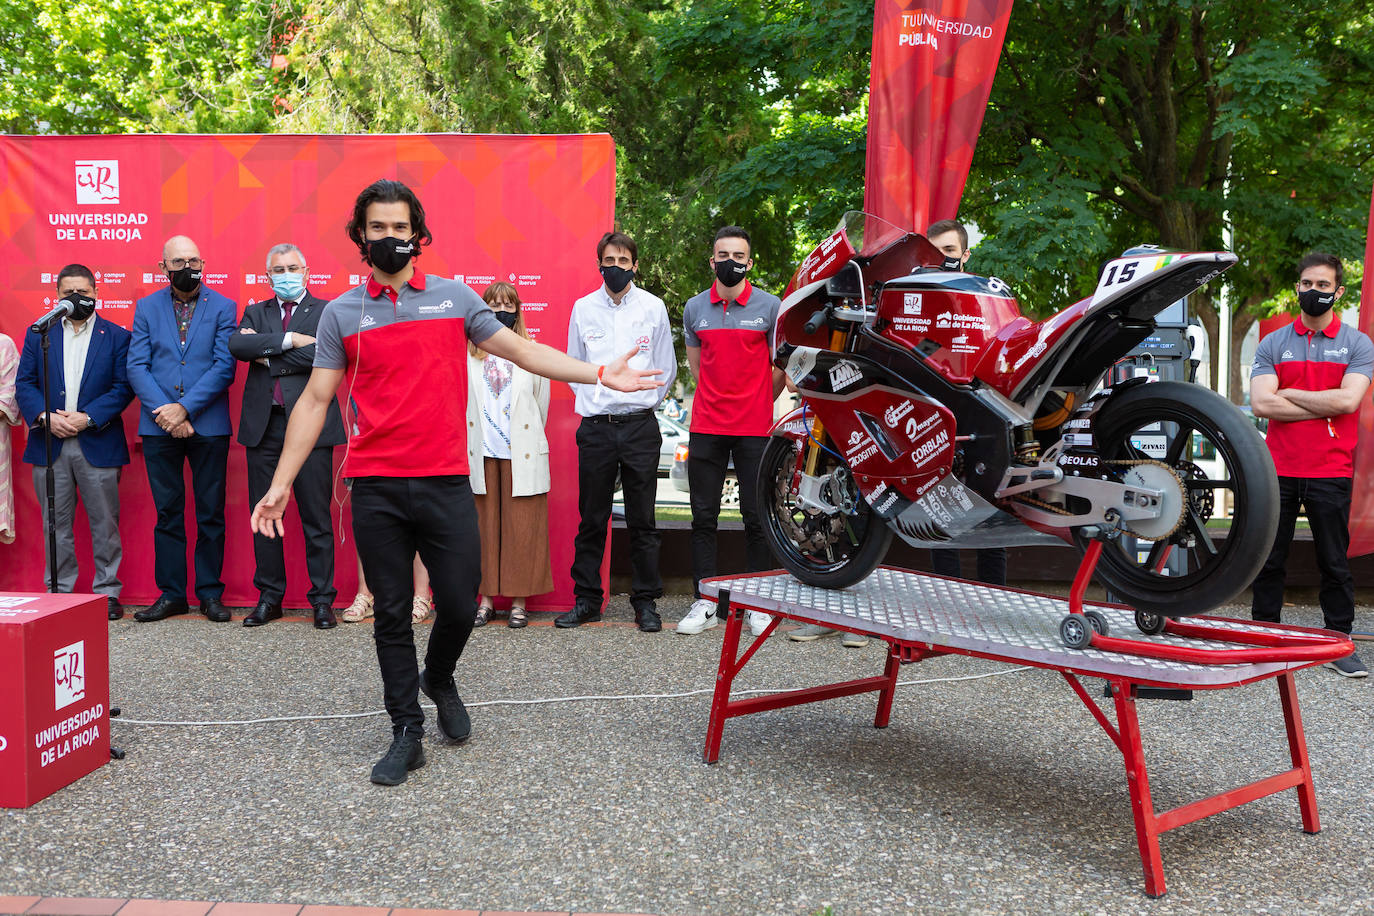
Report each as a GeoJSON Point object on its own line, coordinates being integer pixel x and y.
{"type": "Point", "coordinates": [393, 519]}
{"type": "Point", "coordinates": [1326, 503]}
{"type": "Point", "coordinates": [708, 459]}
{"type": "Point", "coordinates": [165, 457]}
{"type": "Point", "coordinates": [312, 489]}
{"type": "Point", "coordinates": [992, 564]}
{"type": "Point", "coordinates": [629, 447]}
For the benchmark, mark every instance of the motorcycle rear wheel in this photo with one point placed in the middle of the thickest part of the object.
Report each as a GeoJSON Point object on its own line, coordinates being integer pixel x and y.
{"type": "Point", "coordinates": [1216, 570]}
{"type": "Point", "coordinates": [828, 551]}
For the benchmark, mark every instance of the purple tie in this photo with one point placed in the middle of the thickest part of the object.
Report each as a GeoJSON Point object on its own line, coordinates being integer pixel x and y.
{"type": "Point", "coordinates": [286, 308]}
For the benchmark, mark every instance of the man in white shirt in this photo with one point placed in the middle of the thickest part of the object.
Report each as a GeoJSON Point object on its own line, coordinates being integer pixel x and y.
{"type": "Point", "coordinates": [88, 389]}
{"type": "Point", "coordinates": [618, 433]}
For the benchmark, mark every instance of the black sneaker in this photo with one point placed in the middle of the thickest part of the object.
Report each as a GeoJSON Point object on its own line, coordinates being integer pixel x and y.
{"type": "Point", "coordinates": [405, 754]}
{"type": "Point", "coordinates": [1350, 666]}
{"type": "Point", "coordinates": [646, 617]}
{"type": "Point", "coordinates": [581, 613]}
{"type": "Point", "coordinates": [452, 715]}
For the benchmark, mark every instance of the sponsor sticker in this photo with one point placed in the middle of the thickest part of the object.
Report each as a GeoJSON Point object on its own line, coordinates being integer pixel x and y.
{"type": "Point", "coordinates": [843, 374]}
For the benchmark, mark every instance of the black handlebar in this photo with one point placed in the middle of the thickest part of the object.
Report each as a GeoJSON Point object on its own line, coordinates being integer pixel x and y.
{"type": "Point", "coordinates": [815, 320]}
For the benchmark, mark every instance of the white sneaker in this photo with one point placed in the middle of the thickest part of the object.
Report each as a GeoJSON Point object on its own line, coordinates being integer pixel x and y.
{"type": "Point", "coordinates": [809, 632]}
{"type": "Point", "coordinates": [758, 622]}
{"type": "Point", "coordinates": [701, 617]}
{"type": "Point", "coordinates": [854, 640]}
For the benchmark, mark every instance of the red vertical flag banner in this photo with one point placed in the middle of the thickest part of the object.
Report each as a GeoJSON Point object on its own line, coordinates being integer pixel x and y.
{"type": "Point", "coordinates": [933, 63]}
{"type": "Point", "coordinates": [525, 209]}
{"type": "Point", "coordinates": [1362, 502]}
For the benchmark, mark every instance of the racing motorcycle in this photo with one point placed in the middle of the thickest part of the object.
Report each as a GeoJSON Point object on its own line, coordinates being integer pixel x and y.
{"type": "Point", "coordinates": [932, 409]}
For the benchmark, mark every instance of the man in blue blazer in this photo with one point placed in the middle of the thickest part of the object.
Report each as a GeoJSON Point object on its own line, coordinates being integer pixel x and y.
{"type": "Point", "coordinates": [180, 368]}
{"type": "Point", "coordinates": [88, 390]}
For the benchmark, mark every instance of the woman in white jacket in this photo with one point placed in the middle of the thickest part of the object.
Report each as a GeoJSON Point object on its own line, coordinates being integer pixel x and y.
{"type": "Point", "coordinates": [508, 458]}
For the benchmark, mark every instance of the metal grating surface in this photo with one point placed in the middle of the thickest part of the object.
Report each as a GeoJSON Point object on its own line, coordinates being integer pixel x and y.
{"type": "Point", "coordinates": [1015, 625]}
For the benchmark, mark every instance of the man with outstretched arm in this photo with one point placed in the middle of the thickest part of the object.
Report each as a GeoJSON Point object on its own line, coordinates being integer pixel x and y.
{"type": "Point", "coordinates": [401, 340]}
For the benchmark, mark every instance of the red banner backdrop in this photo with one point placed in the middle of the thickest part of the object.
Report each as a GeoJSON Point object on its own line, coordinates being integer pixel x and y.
{"type": "Point", "coordinates": [933, 63]}
{"type": "Point", "coordinates": [528, 210]}
{"type": "Point", "coordinates": [1362, 504]}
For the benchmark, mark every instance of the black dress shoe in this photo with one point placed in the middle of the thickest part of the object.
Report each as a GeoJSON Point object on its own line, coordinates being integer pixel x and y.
{"type": "Point", "coordinates": [405, 754]}
{"type": "Point", "coordinates": [647, 619]}
{"type": "Point", "coordinates": [161, 609]}
{"type": "Point", "coordinates": [116, 609]}
{"type": "Point", "coordinates": [264, 612]}
{"type": "Point", "coordinates": [580, 614]}
{"type": "Point", "coordinates": [324, 617]}
{"type": "Point", "coordinates": [215, 611]}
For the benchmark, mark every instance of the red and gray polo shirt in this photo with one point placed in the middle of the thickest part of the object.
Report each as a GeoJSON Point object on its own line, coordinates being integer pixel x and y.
{"type": "Point", "coordinates": [735, 383]}
{"type": "Point", "coordinates": [405, 358]}
{"type": "Point", "coordinates": [1314, 361]}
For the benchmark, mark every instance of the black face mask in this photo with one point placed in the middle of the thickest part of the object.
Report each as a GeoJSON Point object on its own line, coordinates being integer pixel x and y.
{"type": "Point", "coordinates": [506, 318]}
{"type": "Point", "coordinates": [617, 278]}
{"type": "Point", "coordinates": [1315, 302]}
{"type": "Point", "coordinates": [729, 272]}
{"type": "Point", "coordinates": [186, 280]}
{"type": "Point", "coordinates": [83, 307]}
{"type": "Point", "coordinates": [390, 255]}
{"type": "Point", "coordinates": [953, 263]}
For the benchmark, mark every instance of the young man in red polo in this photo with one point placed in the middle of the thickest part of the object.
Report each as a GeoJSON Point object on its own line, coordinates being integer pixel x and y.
{"type": "Point", "coordinates": [728, 330]}
{"type": "Point", "coordinates": [1309, 379]}
{"type": "Point", "coordinates": [401, 341]}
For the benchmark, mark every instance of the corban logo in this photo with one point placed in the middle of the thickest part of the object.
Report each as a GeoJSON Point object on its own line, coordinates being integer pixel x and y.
{"type": "Point", "coordinates": [69, 674]}
{"type": "Point", "coordinates": [97, 181]}
{"type": "Point", "coordinates": [893, 415]}
{"type": "Point", "coordinates": [911, 304]}
{"type": "Point", "coordinates": [843, 374]}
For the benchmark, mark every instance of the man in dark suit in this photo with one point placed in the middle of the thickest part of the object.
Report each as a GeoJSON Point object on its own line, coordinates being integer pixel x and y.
{"type": "Point", "coordinates": [180, 368]}
{"type": "Point", "coordinates": [277, 339]}
{"type": "Point", "coordinates": [88, 389]}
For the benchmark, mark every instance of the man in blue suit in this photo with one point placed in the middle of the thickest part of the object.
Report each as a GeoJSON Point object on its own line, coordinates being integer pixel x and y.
{"type": "Point", "coordinates": [180, 368]}
{"type": "Point", "coordinates": [88, 390]}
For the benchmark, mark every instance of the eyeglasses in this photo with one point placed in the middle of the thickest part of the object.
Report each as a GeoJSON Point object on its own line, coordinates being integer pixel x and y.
{"type": "Point", "coordinates": [179, 263]}
{"type": "Point", "coordinates": [288, 269]}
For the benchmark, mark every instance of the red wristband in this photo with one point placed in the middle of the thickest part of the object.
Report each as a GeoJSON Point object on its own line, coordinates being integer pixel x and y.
{"type": "Point", "coordinates": [600, 370]}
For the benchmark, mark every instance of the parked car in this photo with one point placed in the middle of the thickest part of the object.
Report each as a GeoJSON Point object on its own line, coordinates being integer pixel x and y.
{"type": "Point", "coordinates": [674, 434]}
{"type": "Point", "coordinates": [729, 494]}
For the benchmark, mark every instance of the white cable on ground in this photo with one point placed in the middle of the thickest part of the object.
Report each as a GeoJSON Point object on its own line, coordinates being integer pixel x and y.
{"type": "Point", "coordinates": [544, 700]}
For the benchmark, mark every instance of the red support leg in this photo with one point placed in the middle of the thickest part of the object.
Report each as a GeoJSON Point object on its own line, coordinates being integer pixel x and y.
{"type": "Point", "coordinates": [725, 678]}
{"type": "Point", "coordinates": [1297, 751]}
{"type": "Point", "coordinates": [894, 665]}
{"type": "Point", "coordinates": [1138, 781]}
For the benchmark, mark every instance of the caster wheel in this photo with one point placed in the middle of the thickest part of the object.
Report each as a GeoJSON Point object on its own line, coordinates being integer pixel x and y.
{"type": "Point", "coordinates": [1075, 631]}
{"type": "Point", "coordinates": [1099, 622]}
{"type": "Point", "coordinates": [1150, 624]}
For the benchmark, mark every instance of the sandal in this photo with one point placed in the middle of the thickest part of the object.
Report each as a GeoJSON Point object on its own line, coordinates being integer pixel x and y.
{"type": "Point", "coordinates": [517, 617]}
{"type": "Point", "coordinates": [483, 615]}
{"type": "Point", "coordinates": [419, 609]}
{"type": "Point", "coordinates": [360, 609]}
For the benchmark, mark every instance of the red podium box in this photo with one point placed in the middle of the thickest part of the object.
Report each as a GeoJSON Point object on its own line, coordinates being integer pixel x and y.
{"type": "Point", "coordinates": [55, 680]}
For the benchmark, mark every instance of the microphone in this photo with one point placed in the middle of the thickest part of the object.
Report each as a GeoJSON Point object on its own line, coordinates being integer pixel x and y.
{"type": "Point", "coordinates": [59, 311]}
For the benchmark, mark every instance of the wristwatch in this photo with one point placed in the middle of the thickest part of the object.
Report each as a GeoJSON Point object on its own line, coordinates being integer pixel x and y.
{"type": "Point", "coordinates": [90, 422]}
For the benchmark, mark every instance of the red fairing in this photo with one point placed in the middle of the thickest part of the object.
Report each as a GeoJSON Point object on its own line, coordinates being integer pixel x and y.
{"type": "Point", "coordinates": [825, 260]}
{"type": "Point", "coordinates": [793, 426]}
{"type": "Point", "coordinates": [1015, 351]}
{"type": "Point", "coordinates": [917, 438]}
{"type": "Point", "coordinates": [962, 323]}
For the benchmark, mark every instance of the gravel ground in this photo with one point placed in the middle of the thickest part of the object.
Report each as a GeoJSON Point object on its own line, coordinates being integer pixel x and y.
{"type": "Point", "coordinates": [997, 795]}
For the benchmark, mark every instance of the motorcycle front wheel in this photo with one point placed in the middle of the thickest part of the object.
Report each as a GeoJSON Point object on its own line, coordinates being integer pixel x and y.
{"type": "Point", "coordinates": [1190, 439]}
{"type": "Point", "coordinates": [828, 550]}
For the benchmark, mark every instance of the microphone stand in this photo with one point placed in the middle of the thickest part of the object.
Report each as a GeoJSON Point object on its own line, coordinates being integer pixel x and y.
{"type": "Point", "coordinates": [47, 453]}
{"type": "Point", "coordinates": [51, 496]}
